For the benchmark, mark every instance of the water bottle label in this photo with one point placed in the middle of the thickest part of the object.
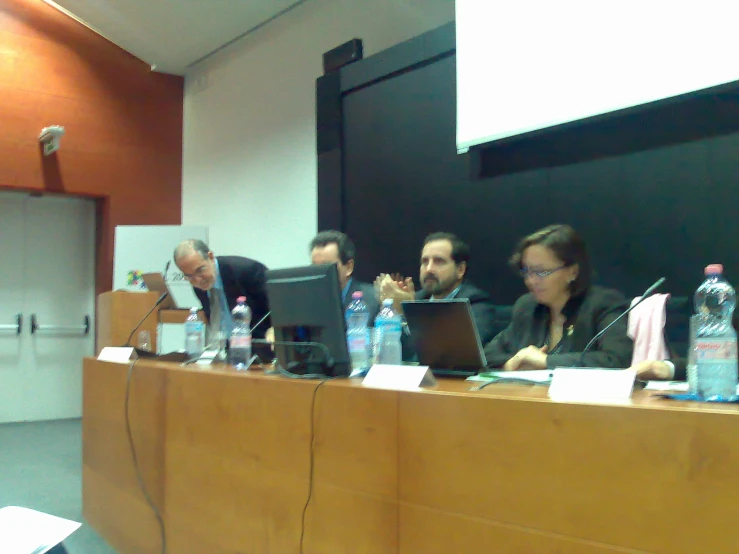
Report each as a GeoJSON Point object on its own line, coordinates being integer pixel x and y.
{"type": "Point", "coordinates": [391, 325]}
{"type": "Point", "coordinates": [357, 342]}
{"type": "Point", "coordinates": [240, 341]}
{"type": "Point", "coordinates": [707, 350]}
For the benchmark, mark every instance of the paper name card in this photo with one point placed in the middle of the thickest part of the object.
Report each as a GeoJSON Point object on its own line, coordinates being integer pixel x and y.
{"type": "Point", "coordinates": [24, 531]}
{"type": "Point", "coordinates": [399, 377]}
{"type": "Point", "coordinates": [116, 354]}
{"type": "Point", "coordinates": [591, 385]}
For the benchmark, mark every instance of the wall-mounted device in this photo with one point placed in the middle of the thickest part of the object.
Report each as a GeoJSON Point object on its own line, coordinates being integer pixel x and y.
{"type": "Point", "coordinates": [50, 137]}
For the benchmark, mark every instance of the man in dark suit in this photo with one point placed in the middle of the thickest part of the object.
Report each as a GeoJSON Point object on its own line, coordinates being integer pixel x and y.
{"type": "Point", "coordinates": [444, 261]}
{"type": "Point", "coordinates": [219, 281]}
{"type": "Point", "coordinates": [334, 247]}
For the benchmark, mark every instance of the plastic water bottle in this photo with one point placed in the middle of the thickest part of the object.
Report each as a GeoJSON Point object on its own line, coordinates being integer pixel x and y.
{"type": "Point", "coordinates": [194, 334]}
{"type": "Point", "coordinates": [358, 333]}
{"type": "Point", "coordinates": [388, 330]}
{"type": "Point", "coordinates": [715, 342]}
{"type": "Point", "coordinates": [239, 344]}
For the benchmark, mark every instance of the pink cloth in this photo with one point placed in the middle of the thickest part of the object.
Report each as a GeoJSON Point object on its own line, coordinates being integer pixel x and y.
{"type": "Point", "coordinates": [647, 329]}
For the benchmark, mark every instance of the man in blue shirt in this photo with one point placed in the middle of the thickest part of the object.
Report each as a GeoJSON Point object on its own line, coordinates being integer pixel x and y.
{"type": "Point", "coordinates": [334, 247]}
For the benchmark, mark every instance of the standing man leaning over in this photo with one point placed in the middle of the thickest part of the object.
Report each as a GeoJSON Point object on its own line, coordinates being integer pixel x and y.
{"type": "Point", "coordinates": [444, 261]}
{"type": "Point", "coordinates": [334, 247]}
{"type": "Point", "coordinates": [219, 281]}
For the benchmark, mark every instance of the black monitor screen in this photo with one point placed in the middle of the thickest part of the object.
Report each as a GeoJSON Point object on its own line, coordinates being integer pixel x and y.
{"type": "Point", "coordinates": [306, 307]}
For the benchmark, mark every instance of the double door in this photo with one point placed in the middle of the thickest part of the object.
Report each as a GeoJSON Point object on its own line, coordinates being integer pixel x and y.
{"type": "Point", "coordinates": [47, 300]}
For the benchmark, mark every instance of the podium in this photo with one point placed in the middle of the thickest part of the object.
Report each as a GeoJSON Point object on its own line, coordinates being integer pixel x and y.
{"type": "Point", "coordinates": [119, 311]}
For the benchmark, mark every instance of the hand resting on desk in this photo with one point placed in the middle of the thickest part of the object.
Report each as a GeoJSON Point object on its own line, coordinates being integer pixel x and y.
{"type": "Point", "coordinates": [652, 370]}
{"type": "Point", "coordinates": [531, 357]}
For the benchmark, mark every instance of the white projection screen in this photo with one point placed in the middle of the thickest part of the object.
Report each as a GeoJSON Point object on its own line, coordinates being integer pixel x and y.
{"type": "Point", "coordinates": [531, 64]}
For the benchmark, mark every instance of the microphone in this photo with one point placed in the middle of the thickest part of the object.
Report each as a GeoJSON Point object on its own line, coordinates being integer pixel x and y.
{"type": "Point", "coordinates": [258, 323]}
{"type": "Point", "coordinates": [140, 323]}
{"type": "Point", "coordinates": [166, 268]}
{"type": "Point", "coordinates": [647, 293]}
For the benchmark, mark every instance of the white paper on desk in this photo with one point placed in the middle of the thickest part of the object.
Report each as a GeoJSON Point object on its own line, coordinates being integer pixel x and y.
{"type": "Point", "coordinates": [671, 386]}
{"type": "Point", "coordinates": [675, 386]}
{"type": "Point", "coordinates": [537, 376]}
{"type": "Point", "coordinates": [24, 531]}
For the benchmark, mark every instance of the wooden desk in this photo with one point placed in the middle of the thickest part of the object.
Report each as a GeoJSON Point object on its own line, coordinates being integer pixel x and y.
{"type": "Point", "coordinates": [226, 456]}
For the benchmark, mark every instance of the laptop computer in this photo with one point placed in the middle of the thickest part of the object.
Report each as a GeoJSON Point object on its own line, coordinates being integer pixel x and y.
{"type": "Point", "coordinates": [155, 283]}
{"type": "Point", "coordinates": [445, 336]}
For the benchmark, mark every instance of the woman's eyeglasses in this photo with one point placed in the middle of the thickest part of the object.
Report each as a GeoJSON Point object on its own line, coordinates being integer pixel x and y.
{"type": "Point", "coordinates": [540, 274]}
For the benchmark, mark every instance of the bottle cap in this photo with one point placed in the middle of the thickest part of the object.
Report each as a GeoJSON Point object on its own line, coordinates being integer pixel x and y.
{"type": "Point", "coordinates": [387, 302]}
{"type": "Point", "coordinates": [241, 299]}
{"type": "Point", "coordinates": [357, 294]}
{"type": "Point", "coordinates": [714, 269]}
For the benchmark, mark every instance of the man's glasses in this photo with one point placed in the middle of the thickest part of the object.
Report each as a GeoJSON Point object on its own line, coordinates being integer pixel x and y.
{"type": "Point", "coordinates": [198, 272]}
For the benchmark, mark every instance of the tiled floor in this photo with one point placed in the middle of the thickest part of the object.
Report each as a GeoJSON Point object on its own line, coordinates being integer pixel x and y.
{"type": "Point", "coordinates": [41, 468]}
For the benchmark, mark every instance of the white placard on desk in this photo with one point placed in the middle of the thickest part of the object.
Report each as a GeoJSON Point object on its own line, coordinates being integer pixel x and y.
{"type": "Point", "coordinates": [399, 377]}
{"type": "Point", "coordinates": [117, 354]}
{"type": "Point", "coordinates": [586, 385]}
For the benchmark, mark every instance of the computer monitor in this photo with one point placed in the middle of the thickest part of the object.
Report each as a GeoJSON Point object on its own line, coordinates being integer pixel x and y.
{"type": "Point", "coordinates": [306, 307]}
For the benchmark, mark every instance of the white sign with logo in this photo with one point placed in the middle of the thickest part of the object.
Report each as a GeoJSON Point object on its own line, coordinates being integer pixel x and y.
{"type": "Point", "coordinates": [143, 249]}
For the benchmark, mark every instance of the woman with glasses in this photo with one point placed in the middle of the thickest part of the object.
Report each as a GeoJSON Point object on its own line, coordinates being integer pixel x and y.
{"type": "Point", "coordinates": [552, 324]}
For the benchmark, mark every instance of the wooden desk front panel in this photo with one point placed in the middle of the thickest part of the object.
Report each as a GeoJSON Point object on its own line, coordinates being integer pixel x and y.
{"type": "Point", "coordinates": [227, 456]}
{"type": "Point", "coordinates": [354, 507]}
{"type": "Point", "coordinates": [644, 477]}
{"type": "Point", "coordinates": [429, 531]}
{"type": "Point", "coordinates": [237, 461]}
{"type": "Point", "coordinates": [112, 500]}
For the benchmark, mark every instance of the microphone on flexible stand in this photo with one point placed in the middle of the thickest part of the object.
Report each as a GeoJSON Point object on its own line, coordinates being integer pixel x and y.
{"type": "Point", "coordinates": [258, 323]}
{"type": "Point", "coordinates": [140, 323]}
{"type": "Point", "coordinates": [647, 293]}
{"type": "Point", "coordinates": [172, 356]}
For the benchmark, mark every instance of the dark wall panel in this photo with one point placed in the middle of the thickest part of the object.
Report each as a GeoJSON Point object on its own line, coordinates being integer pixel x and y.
{"type": "Point", "coordinates": [659, 211]}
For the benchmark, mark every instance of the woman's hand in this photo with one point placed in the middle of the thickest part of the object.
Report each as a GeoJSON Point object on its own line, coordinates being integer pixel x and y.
{"type": "Point", "coordinates": [531, 357]}
{"type": "Point", "coordinates": [652, 370]}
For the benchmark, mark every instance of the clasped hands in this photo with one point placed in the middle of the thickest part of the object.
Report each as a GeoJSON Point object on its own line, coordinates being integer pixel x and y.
{"type": "Point", "coordinates": [395, 287]}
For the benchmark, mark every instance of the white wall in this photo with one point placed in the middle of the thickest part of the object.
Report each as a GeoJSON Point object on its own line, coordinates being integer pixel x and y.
{"type": "Point", "coordinates": [249, 168]}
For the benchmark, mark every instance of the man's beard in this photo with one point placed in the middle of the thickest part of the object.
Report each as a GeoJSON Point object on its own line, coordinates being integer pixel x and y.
{"type": "Point", "coordinates": [432, 285]}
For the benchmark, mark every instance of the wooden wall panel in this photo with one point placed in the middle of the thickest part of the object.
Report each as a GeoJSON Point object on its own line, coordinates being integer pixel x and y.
{"type": "Point", "coordinates": [123, 141]}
